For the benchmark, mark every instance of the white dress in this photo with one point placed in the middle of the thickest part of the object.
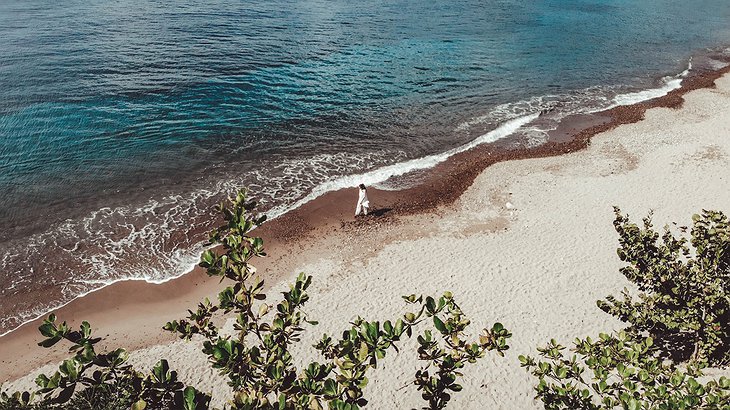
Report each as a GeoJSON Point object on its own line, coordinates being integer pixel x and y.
{"type": "Point", "coordinates": [362, 202]}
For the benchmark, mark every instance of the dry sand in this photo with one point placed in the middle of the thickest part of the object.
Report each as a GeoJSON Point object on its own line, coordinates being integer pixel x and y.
{"type": "Point", "coordinates": [530, 244]}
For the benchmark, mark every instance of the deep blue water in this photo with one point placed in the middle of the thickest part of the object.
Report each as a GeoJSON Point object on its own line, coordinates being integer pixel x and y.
{"type": "Point", "coordinates": [120, 122]}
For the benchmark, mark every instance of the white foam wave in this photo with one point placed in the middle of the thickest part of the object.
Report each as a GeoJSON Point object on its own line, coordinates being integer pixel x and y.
{"type": "Point", "coordinates": [670, 84]}
{"type": "Point", "coordinates": [156, 241]}
{"type": "Point", "coordinates": [556, 107]}
{"type": "Point", "coordinates": [384, 173]}
{"type": "Point", "coordinates": [513, 116]}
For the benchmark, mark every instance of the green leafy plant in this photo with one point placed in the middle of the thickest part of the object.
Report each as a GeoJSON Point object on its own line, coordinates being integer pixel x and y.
{"type": "Point", "coordinates": [620, 371]}
{"type": "Point", "coordinates": [257, 360]}
{"type": "Point", "coordinates": [447, 360]}
{"type": "Point", "coordinates": [17, 400]}
{"type": "Point", "coordinates": [683, 297]}
{"type": "Point", "coordinates": [91, 380]}
{"type": "Point", "coordinates": [684, 293]}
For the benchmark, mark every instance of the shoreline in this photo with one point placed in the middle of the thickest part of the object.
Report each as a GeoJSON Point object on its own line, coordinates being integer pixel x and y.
{"type": "Point", "coordinates": [497, 138]}
{"type": "Point", "coordinates": [146, 306]}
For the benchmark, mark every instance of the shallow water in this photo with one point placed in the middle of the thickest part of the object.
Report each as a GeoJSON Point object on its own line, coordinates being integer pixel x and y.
{"type": "Point", "coordinates": [121, 123]}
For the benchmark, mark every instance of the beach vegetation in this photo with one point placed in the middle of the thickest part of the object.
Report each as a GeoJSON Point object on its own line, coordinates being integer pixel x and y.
{"type": "Point", "coordinates": [683, 298]}
{"type": "Point", "coordinates": [257, 359]}
{"type": "Point", "coordinates": [620, 371]}
{"type": "Point", "coordinates": [92, 380]}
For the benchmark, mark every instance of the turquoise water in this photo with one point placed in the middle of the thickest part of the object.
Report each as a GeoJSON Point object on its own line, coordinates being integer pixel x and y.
{"type": "Point", "coordinates": [121, 122]}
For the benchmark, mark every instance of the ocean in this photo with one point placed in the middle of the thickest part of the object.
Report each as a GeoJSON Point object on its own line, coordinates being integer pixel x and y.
{"type": "Point", "coordinates": [122, 123]}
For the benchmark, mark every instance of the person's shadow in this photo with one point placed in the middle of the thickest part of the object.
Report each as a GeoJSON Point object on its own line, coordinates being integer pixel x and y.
{"type": "Point", "coordinates": [380, 212]}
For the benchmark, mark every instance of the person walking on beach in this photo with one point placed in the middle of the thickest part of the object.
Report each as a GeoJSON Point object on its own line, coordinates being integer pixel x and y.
{"type": "Point", "coordinates": [363, 204]}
